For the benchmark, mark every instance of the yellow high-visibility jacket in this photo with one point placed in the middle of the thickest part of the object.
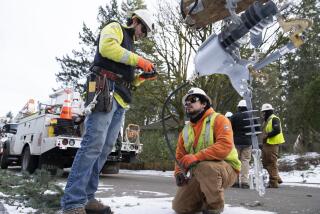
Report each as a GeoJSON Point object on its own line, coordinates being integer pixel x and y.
{"type": "Point", "coordinates": [111, 37]}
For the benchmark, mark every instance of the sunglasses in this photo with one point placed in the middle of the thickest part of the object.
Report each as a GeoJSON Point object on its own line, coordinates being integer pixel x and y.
{"type": "Point", "coordinates": [192, 100]}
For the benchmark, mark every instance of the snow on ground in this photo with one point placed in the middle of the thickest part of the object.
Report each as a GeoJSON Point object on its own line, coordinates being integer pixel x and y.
{"type": "Point", "coordinates": [17, 208]}
{"type": "Point", "coordinates": [131, 204]}
{"type": "Point", "coordinates": [148, 172]}
{"type": "Point", "coordinates": [292, 157]}
{"type": "Point", "coordinates": [309, 177]}
{"type": "Point", "coordinates": [49, 192]}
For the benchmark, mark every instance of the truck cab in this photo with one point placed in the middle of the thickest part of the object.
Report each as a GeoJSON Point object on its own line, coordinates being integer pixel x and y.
{"type": "Point", "coordinates": [7, 135]}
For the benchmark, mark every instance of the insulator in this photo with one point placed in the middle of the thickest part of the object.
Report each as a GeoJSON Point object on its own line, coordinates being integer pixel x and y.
{"type": "Point", "coordinates": [255, 14]}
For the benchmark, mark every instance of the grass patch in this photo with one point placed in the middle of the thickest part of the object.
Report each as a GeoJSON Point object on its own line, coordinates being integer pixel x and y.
{"type": "Point", "coordinates": [29, 190]}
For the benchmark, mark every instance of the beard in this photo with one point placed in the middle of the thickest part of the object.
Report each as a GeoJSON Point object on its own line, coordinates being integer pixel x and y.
{"type": "Point", "coordinates": [194, 113]}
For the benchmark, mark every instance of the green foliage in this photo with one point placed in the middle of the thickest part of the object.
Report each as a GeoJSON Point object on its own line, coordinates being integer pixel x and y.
{"type": "Point", "coordinates": [29, 190]}
{"type": "Point", "coordinates": [301, 80]}
{"type": "Point", "coordinates": [155, 148]}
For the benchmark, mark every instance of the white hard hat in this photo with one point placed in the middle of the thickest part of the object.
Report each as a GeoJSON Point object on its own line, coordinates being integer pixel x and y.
{"type": "Point", "coordinates": [242, 103]}
{"type": "Point", "coordinates": [228, 114]}
{"type": "Point", "coordinates": [266, 107]}
{"type": "Point", "coordinates": [195, 91]}
{"type": "Point", "coordinates": [145, 17]}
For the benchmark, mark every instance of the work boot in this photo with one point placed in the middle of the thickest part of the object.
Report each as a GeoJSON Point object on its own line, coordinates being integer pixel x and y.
{"type": "Point", "coordinates": [236, 185]}
{"type": "Point", "coordinates": [245, 186]}
{"type": "Point", "coordinates": [78, 210]}
{"type": "Point", "coordinates": [273, 185]}
{"type": "Point", "coordinates": [96, 207]}
{"type": "Point", "coordinates": [217, 211]}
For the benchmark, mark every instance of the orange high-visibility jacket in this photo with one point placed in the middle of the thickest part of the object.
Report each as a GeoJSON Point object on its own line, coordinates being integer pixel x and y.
{"type": "Point", "coordinates": [223, 140]}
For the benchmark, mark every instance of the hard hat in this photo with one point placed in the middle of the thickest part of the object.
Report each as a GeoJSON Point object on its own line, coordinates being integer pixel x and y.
{"type": "Point", "coordinates": [266, 107]}
{"type": "Point", "coordinates": [198, 91]}
{"type": "Point", "coordinates": [228, 114]}
{"type": "Point", "coordinates": [145, 17]}
{"type": "Point", "coordinates": [242, 103]}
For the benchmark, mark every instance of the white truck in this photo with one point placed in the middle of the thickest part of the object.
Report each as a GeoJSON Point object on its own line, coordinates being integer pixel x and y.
{"type": "Point", "coordinates": [43, 139]}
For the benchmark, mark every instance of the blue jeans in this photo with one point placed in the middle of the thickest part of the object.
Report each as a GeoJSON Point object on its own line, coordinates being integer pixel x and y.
{"type": "Point", "coordinates": [101, 132]}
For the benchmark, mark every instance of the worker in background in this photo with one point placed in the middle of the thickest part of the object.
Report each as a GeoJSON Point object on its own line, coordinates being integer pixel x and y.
{"type": "Point", "coordinates": [113, 75]}
{"type": "Point", "coordinates": [228, 115]}
{"type": "Point", "coordinates": [205, 148]}
{"type": "Point", "coordinates": [242, 142]}
{"type": "Point", "coordinates": [272, 136]}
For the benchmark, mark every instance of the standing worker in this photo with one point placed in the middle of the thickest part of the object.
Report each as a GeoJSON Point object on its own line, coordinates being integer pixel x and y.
{"type": "Point", "coordinates": [272, 136]}
{"type": "Point", "coordinates": [110, 83]}
{"type": "Point", "coordinates": [205, 148]}
{"type": "Point", "coordinates": [243, 143]}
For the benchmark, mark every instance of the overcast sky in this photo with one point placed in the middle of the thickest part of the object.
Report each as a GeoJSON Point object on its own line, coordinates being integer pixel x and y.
{"type": "Point", "coordinates": [32, 34]}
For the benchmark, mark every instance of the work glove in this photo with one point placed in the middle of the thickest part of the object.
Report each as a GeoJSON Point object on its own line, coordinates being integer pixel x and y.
{"type": "Point", "coordinates": [188, 161]}
{"type": "Point", "coordinates": [181, 179]}
{"type": "Point", "coordinates": [145, 64]}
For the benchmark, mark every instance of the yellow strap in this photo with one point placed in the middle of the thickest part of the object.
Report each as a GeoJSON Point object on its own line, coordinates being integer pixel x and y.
{"type": "Point", "coordinates": [121, 102]}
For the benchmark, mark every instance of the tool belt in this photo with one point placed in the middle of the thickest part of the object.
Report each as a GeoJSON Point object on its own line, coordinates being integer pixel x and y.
{"type": "Point", "coordinates": [103, 72]}
{"type": "Point", "coordinates": [101, 83]}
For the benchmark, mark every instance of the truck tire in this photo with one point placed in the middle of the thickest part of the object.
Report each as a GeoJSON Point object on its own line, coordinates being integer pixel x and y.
{"type": "Point", "coordinates": [4, 162]}
{"type": "Point", "coordinates": [111, 168]}
{"type": "Point", "coordinates": [29, 162]}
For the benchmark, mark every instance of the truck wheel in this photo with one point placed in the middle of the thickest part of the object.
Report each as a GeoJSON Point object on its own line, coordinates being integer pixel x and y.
{"type": "Point", "coordinates": [111, 168]}
{"type": "Point", "coordinates": [4, 162]}
{"type": "Point", "coordinates": [29, 162]}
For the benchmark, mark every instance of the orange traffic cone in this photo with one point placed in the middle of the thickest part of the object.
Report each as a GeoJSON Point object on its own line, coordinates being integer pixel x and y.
{"type": "Point", "coordinates": [66, 108]}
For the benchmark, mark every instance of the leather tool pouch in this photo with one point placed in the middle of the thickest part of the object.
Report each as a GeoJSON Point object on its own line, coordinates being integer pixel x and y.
{"type": "Point", "coordinates": [96, 83]}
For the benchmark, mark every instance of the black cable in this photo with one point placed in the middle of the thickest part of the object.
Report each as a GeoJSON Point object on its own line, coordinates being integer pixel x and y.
{"type": "Point", "coordinates": [165, 132]}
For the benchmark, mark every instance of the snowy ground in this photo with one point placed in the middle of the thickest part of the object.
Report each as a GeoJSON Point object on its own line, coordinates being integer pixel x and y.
{"type": "Point", "coordinates": [16, 208]}
{"type": "Point", "coordinates": [158, 203]}
{"type": "Point", "coordinates": [310, 177]}
{"type": "Point", "coordinates": [130, 204]}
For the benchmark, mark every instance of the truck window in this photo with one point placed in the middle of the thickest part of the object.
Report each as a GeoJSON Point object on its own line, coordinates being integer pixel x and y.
{"type": "Point", "coordinates": [10, 128]}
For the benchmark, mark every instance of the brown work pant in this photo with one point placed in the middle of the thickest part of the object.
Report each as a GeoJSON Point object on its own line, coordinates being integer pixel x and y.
{"type": "Point", "coordinates": [269, 162]}
{"type": "Point", "coordinates": [244, 154]}
{"type": "Point", "coordinates": [205, 190]}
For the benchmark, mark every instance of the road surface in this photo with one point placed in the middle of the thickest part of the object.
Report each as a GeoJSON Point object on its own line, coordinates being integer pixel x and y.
{"type": "Point", "coordinates": [284, 200]}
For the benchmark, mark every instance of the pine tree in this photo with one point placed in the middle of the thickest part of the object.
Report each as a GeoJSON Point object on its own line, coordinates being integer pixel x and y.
{"type": "Point", "coordinates": [75, 67]}
{"type": "Point", "coordinates": [302, 82]}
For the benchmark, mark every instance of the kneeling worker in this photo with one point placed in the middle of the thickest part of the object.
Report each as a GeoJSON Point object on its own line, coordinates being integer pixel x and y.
{"type": "Point", "coordinates": [205, 147]}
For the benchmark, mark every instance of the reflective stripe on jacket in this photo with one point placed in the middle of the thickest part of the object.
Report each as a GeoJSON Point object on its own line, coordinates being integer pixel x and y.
{"type": "Point", "coordinates": [277, 139]}
{"type": "Point", "coordinates": [206, 139]}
